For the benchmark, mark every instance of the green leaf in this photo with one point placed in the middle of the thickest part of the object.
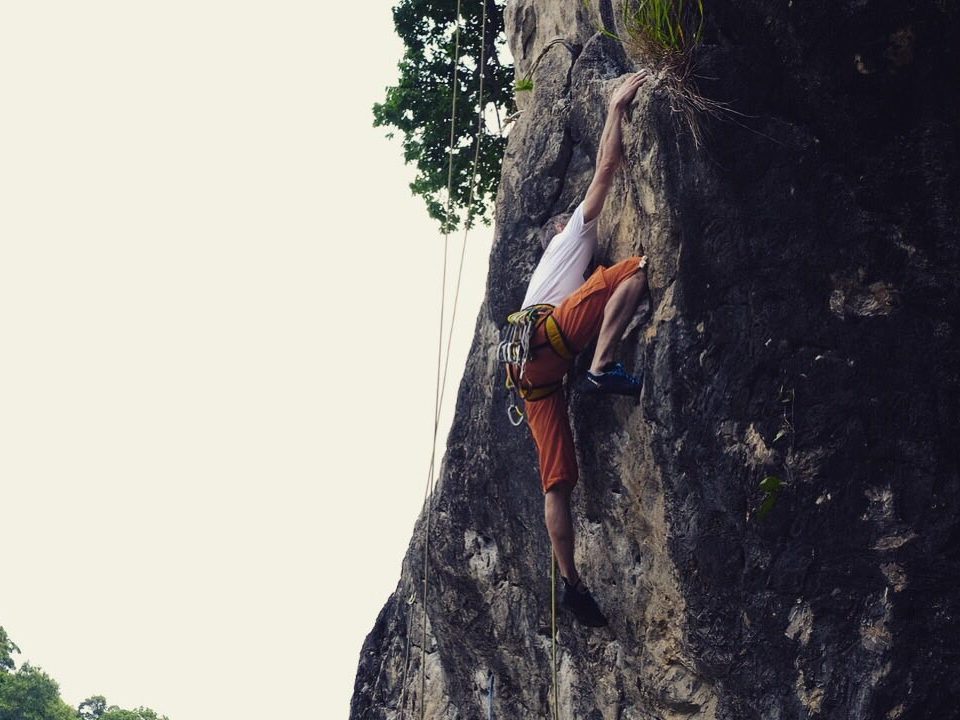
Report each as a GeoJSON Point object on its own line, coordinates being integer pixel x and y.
{"type": "Point", "coordinates": [771, 484]}
{"type": "Point", "coordinates": [766, 506]}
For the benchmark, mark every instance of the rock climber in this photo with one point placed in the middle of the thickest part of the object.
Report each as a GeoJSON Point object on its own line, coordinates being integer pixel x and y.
{"type": "Point", "coordinates": [585, 309]}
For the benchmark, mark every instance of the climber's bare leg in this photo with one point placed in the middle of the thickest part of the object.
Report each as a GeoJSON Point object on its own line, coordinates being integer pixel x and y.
{"type": "Point", "coordinates": [556, 510]}
{"type": "Point", "coordinates": [616, 315]}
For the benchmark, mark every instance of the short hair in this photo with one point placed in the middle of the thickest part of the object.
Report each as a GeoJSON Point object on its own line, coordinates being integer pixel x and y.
{"type": "Point", "coordinates": [549, 229]}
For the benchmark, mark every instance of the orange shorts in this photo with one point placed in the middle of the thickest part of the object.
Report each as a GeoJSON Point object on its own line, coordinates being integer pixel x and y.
{"type": "Point", "coordinates": [579, 318]}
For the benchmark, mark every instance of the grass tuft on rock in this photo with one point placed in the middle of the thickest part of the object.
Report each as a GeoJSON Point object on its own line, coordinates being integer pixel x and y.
{"type": "Point", "coordinates": [663, 30]}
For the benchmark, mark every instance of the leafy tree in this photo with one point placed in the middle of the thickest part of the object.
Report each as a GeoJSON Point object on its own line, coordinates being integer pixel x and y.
{"type": "Point", "coordinates": [93, 708]}
{"type": "Point", "coordinates": [31, 694]}
{"type": "Point", "coordinates": [419, 104]}
{"type": "Point", "coordinates": [7, 648]}
{"type": "Point", "coordinates": [141, 713]}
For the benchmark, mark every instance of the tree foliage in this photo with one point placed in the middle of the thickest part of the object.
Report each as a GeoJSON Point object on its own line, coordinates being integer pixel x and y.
{"type": "Point", "coordinates": [419, 105]}
{"type": "Point", "coordinates": [96, 708]}
{"type": "Point", "coordinates": [7, 649]}
{"type": "Point", "coordinates": [28, 693]}
{"type": "Point", "coordinates": [142, 713]}
{"type": "Point", "coordinates": [31, 694]}
{"type": "Point", "coordinates": [93, 708]}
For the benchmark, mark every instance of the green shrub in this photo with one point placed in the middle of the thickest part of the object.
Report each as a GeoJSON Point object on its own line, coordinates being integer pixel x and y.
{"type": "Point", "coordinates": [661, 28]}
{"type": "Point", "coordinates": [523, 85]}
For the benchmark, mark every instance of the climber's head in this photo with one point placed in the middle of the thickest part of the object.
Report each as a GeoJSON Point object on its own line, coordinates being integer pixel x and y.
{"type": "Point", "coordinates": [552, 227]}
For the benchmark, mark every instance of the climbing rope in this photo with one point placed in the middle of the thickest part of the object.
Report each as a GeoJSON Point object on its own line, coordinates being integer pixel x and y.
{"type": "Point", "coordinates": [553, 633]}
{"type": "Point", "coordinates": [441, 360]}
{"type": "Point", "coordinates": [472, 187]}
{"type": "Point", "coordinates": [406, 656]}
{"type": "Point", "coordinates": [490, 685]}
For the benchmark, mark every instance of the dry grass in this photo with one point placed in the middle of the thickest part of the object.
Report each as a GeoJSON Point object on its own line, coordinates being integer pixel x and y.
{"type": "Point", "coordinates": [678, 78]}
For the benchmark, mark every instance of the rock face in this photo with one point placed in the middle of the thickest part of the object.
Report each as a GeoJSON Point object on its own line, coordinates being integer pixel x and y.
{"type": "Point", "coordinates": [804, 324]}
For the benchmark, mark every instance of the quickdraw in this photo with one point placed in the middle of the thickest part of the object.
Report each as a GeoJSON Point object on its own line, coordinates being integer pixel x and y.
{"type": "Point", "coordinates": [515, 349]}
{"type": "Point", "coordinates": [516, 334]}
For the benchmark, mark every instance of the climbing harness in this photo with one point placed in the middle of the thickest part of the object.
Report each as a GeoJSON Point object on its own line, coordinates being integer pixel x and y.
{"type": "Point", "coordinates": [516, 348]}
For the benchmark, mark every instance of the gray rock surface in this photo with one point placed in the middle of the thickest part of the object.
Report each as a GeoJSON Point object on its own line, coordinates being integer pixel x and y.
{"type": "Point", "coordinates": [803, 275]}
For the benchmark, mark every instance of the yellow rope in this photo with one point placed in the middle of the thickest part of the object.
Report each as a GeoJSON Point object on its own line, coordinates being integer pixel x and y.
{"type": "Point", "coordinates": [553, 632]}
{"type": "Point", "coordinates": [406, 660]}
{"type": "Point", "coordinates": [441, 381]}
{"type": "Point", "coordinates": [428, 493]}
{"type": "Point", "coordinates": [473, 184]}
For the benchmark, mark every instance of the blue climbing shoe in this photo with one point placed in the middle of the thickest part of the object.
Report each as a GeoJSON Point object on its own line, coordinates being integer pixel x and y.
{"type": "Point", "coordinates": [614, 380]}
{"type": "Point", "coordinates": [578, 600]}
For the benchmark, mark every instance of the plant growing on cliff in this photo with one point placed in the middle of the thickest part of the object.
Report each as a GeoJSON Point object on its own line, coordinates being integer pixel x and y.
{"type": "Point", "coordinates": [419, 105]}
{"type": "Point", "coordinates": [665, 35]}
{"type": "Point", "coordinates": [524, 84]}
{"type": "Point", "coordinates": [663, 32]}
{"type": "Point", "coordinates": [770, 486]}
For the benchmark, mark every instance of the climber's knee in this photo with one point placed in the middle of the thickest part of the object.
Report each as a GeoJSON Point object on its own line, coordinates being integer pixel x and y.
{"type": "Point", "coordinates": [560, 489]}
{"type": "Point", "coordinates": [556, 511]}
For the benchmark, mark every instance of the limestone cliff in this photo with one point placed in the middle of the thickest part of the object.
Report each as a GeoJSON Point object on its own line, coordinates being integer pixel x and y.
{"type": "Point", "coordinates": [804, 318]}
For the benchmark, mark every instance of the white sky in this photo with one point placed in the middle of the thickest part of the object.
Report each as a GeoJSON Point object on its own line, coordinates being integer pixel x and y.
{"type": "Point", "coordinates": [218, 327]}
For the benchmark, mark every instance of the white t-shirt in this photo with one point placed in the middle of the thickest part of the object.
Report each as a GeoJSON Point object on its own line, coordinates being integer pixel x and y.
{"type": "Point", "coordinates": [564, 262]}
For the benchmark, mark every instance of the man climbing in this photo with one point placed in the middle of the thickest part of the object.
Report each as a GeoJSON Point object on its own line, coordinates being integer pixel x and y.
{"type": "Point", "coordinates": [598, 309]}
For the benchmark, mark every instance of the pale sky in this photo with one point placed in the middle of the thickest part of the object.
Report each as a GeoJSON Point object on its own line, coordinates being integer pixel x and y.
{"type": "Point", "coordinates": [218, 313]}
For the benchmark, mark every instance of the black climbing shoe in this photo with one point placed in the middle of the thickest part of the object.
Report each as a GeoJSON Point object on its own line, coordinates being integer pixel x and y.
{"type": "Point", "coordinates": [580, 602]}
{"type": "Point", "coordinates": [614, 380]}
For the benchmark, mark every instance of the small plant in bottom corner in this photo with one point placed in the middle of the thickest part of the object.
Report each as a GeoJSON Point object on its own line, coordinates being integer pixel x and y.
{"type": "Point", "coordinates": [771, 486]}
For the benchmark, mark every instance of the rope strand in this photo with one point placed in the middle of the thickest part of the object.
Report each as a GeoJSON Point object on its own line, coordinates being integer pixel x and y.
{"type": "Point", "coordinates": [438, 397]}
{"type": "Point", "coordinates": [445, 355]}
{"type": "Point", "coordinates": [553, 633]}
{"type": "Point", "coordinates": [473, 184]}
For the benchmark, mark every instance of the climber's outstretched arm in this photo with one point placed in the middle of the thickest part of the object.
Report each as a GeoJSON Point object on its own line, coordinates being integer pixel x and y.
{"type": "Point", "coordinates": [611, 151]}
